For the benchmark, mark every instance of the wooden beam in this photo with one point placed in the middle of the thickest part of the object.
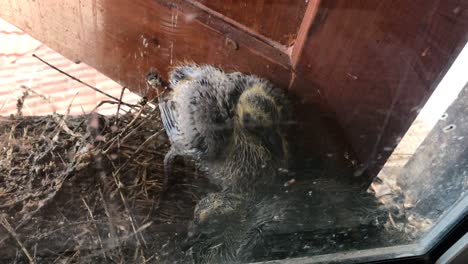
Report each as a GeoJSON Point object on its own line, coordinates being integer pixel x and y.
{"type": "Point", "coordinates": [372, 64]}
{"type": "Point", "coordinates": [308, 21]}
{"type": "Point", "coordinates": [277, 20]}
{"type": "Point", "coordinates": [124, 39]}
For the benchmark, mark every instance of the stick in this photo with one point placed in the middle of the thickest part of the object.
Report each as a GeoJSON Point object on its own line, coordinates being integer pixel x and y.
{"type": "Point", "coordinates": [44, 97]}
{"type": "Point", "coordinates": [12, 232]}
{"type": "Point", "coordinates": [63, 124]}
{"type": "Point", "coordinates": [118, 106]}
{"type": "Point", "coordinates": [113, 238]}
{"type": "Point", "coordinates": [95, 225]}
{"type": "Point", "coordinates": [137, 151]}
{"type": "Point", "coordinates": [123, 131]}
{"type": "Point", "coordinates": [80, 81]}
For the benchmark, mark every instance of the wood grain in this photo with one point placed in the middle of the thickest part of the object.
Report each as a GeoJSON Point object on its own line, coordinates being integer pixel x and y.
{"type": "Point", "coordinates": [124, 39]}
{"type": "Point", "coordinates": [278, 20]}
{"type": "Point", "coordinates": [373, 64]}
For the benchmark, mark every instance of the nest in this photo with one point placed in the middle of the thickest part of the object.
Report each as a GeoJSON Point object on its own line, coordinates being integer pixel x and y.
{"type": "Point", "coordinates": [91, 189]}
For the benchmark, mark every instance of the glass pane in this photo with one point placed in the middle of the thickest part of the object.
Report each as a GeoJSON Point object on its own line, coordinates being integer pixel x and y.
{"type": "Point", "coordinates": [231, 131]}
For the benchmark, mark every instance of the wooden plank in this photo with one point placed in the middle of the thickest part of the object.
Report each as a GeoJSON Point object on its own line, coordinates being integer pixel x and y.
{"type": "Point", "coordinates": [124, 39]}
{"type": "Point", "coordinates": [373, 64]}
{"type": "Point", "coordinates": [268, 48]}
{"type": "Point", "coordinates": [278, 20]}
{"type": "Point", "coordinates": [303, 34]}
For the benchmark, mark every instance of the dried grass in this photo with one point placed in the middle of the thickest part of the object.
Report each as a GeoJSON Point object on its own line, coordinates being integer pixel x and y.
{"type": "Point", "coordinates": [91, 189]}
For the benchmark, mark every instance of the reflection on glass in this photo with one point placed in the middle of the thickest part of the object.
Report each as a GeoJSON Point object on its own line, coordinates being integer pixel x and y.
{"type": "Point", "coordinates": [249, 141]}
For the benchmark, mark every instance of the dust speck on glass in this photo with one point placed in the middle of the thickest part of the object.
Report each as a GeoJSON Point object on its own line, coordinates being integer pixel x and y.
{"type": "Point", "coordinates": [231, 132]}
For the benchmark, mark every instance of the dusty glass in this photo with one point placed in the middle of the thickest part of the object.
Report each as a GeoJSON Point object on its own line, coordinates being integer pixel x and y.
{"type": "Point", "coordinates": [231, 131]}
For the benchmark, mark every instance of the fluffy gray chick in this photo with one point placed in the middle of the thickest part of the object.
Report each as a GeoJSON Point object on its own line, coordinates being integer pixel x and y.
{"type": "Point", "coordinates": [231, 123]}
{"type": "Point", "coordinates": [310, 218]}
{"type": "Point", "coordinates": [197, 112]}
{"type": "Point", "coordinates": [217, 230]}
{"type": "Point", "coordinates": [257, 148]}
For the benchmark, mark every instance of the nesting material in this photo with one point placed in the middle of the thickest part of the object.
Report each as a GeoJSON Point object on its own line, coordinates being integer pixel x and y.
{"type": "Point", "coordinates": [91, 189]}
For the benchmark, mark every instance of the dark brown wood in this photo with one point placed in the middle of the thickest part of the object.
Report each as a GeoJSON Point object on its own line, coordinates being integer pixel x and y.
{"type": "Point", "coordinates": [124, 39]}
{"type": "Point", "coordinates": [303, 34]}
{"type": "Point", "coordinates": [372, 64]}
{"type": "Point", "coordinates": [237, 32]}
{"type": "Point", "coordinates": [278, 20]}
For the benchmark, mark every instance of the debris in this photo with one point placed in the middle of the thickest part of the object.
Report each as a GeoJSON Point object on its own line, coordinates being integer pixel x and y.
{"type": "Point", "coordinates": [90, 188]}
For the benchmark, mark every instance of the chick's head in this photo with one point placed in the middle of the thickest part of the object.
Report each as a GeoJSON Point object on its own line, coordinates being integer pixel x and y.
{"type": "Point", "coordinates": [259, 115]}
{"type": "Point", "coordinates": [215, 211]}
{"type": "Point", "coordinates": [217, 228]}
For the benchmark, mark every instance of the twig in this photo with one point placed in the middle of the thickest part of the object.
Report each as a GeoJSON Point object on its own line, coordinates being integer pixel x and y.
{"type": "Point", "coordinates": [35, 251]}
{"type": "Point", "coordinates": [135, 255]}
{"type": "Point", "coordinates": [127, 208]}
{"type": "Point", "coordinates": [12, 232]}
{"type": "Point", "coordinates": [131, 132]}
{"type": "Point", "coordinates": [44, 97]}
{"type": "Point", "coordinates": [72, 257]}
{"type": "Point", "coordinates": [95, 225]}
{"type": "Point", "coordinates": [94, 110]}
{"type": "Point", "coordinates": [4, 103]}
{"type": "Point", "coordinates": [62, 123]}
{"type": "Point", "coordinates": [118, 106]}
{"type": "Point", "coordinates": [149, 259]}
{"type": "Point", "coordinates": [16, 256]}
{"type": "Point", "coordinates": [138, 150]}
{"type": "Point", "coordinates": [80, 81]}
{"type": "Point", "coordinates": [138, 231]}
{"type": "Point", "coordinates": [58, 186]}
{"type": "Point", "coordinates": [117, 182]}
{"type": "Point", "coordinates": [113, 238]}
{"type": "Point", "coordinates": [124, 130]}
{"type": "Point", "coordinates": [107, 102]}
{"type": "Point", "coordinates": [20, 103]}
{"type": "Point", "coordinates": [117, 115]}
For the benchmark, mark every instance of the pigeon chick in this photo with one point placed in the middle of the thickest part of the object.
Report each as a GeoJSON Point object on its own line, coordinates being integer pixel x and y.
{"type": "Point", "coordinates": [215, 233]}
{"type": "Point", "coordinates": [232, 124]}
{"type": "Point", "coordinates": [197, 112]}
{"type": "Point", "coordinates": [313, 217]}
{"type": "Point", "coordinates": [258, 147]}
